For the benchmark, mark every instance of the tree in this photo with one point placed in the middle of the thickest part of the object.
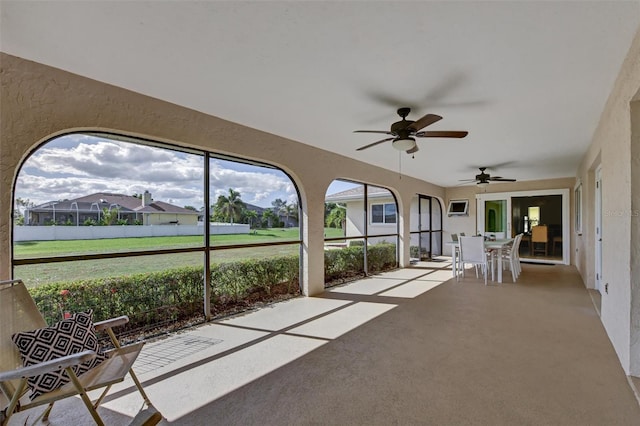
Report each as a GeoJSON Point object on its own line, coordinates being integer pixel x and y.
{"type": "Point", "coordinates": [336, 217]}
{"type": "Point", "coordinates": [229, 207]}
{"type": "Point", "coordinates": [268, 218]}
{"type": "Point", "coordinates": [21, 206]}
{"type": "Point", "coordinates": [280, 208]}
{"type": "Point", "coordinates": [191, 208]}
{"type": "Point", "coordinates": [109, 216]}
{"type": "Point", "coordinates": [251, 216]}
{"type": "Point", "coordinates": [292, 211]}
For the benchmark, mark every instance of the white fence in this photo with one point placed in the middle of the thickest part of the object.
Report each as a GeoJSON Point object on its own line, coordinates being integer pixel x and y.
{"type": "Point", "coordinates": [50, 233]}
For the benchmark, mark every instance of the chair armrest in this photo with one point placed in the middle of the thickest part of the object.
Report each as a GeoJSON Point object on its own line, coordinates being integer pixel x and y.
{"type": "Point", "coordinates": [48, 366]}
{"type": "Point", "coordinates": [10, 282]}
{"type": "Point", "coordinates": [113, 322]}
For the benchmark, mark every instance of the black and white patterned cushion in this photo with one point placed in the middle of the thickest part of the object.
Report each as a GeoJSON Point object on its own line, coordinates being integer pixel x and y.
{"type": "Point", "coordinates": [69, 336]}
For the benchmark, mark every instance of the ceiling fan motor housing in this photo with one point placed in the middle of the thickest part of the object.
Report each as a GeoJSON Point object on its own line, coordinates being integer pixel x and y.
{"type": "Point", "coordinates": [400, 128]}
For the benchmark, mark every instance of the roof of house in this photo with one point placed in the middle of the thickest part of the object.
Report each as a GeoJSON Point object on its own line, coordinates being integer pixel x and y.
{"type": "Point", "coordinates": [357, 193]}
{"type": "Point", "coordinates": [107, 200]}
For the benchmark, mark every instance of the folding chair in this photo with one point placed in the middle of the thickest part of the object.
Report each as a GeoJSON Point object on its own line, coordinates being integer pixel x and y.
{"type": "Point", "coordinates": [19, 314]}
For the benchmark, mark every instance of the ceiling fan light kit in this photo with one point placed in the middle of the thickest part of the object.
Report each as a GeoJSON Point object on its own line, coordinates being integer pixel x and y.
{"type": "Point", "coordinates": [404, 144]}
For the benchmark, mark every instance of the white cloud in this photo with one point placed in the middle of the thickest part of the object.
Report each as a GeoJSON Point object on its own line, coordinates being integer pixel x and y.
{"type": "Point", "coordinates": [78, 165]}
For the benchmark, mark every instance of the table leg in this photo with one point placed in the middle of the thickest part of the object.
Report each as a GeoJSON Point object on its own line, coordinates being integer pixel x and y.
{"type": "Point", "coordinates": [454, 265]}
{"type": "Point", "coordinates": [499, 265]}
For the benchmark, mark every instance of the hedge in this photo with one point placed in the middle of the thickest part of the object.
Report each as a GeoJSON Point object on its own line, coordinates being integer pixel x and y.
{"type": "Point", "coordinates": [348, 262]}
{"type": "Point", "coordinates": [154, 300]}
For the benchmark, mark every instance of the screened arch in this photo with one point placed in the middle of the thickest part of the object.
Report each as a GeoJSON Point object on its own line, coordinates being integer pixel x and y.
{"type": "Point", "coordinates": [104, 221]}
{"type": "Point", "coordinates": [361, 230]}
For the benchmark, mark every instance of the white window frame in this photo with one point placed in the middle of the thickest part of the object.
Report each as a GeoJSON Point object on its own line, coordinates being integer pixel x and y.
{"type": "Point", "coordinates": [384, 216]}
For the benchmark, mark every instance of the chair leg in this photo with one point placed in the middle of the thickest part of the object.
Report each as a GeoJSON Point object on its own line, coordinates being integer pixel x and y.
{"type": "Point", "coordinates": [486, 272]}
{"type": "Point", "coordinates": [139, 386]}
{"type": "Point", "coordinates": [85, 397]}
{"type": "Point", "coordinates": [45, 415]}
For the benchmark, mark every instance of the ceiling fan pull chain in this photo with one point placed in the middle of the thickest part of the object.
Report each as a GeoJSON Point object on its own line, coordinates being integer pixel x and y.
{"type": "Point", "coordinates": [400, 164]}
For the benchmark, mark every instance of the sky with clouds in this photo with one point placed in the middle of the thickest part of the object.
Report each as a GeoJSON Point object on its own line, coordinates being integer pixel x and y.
{"type": "Point", "coordinates": [76, 165]}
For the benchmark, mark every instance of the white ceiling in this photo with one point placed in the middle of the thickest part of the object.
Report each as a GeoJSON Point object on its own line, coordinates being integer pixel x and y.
{"type": "Point", "coordinates": [528, 80]}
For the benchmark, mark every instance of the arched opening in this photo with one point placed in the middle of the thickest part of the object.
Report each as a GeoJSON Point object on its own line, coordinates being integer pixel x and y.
{"type": "Point", "coordinates": [361, 231]}
{"type": "Point", "coordinates": [163, 234]}
{"type": "Point", "coordinates": [426, 228]}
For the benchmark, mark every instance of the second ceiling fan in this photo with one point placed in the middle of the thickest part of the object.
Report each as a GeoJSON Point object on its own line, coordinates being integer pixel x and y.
{"type": "Point", "coordinates": [483, 178]}
{"type": "Point", "coordinates": [405, 131]}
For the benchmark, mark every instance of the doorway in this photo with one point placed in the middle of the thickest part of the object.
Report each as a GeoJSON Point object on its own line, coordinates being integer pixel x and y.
{"type": "Point", "coordinates": [598, 229]}
{"type": "Point", "coordinates": [541, 216]}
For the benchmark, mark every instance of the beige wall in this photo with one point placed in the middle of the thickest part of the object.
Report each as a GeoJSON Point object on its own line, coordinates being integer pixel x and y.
{"type": "Point", "coordinates": [355, 218]}
{"type": "Point", "coordinates": [39, 102]}
{"type": "Point", "coordinates": [467, 224]}
{"type": "Point", "coordinates": [611, 149]}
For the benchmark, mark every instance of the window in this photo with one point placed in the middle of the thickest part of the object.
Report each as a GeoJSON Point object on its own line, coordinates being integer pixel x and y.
{"type": "Point", "coordinates": [458, 208]}
{"type": "Point", "coordinates": [383, 213]}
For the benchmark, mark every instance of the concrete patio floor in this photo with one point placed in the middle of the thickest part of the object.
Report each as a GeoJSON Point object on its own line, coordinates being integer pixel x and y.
{"type": "Point", "coordinates": [411, 346]}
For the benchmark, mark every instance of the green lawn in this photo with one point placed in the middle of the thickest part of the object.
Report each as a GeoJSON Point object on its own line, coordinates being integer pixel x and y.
{"type": "Point", "coordinates": [34, 275]}
{"type": "Point", "coordinates": [35, 249]}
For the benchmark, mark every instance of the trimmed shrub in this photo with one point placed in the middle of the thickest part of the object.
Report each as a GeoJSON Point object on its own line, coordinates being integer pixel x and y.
{"type": "Point", "coordinates": [153, 300]}
{"type": "Point", "coordinates": [348, 263]}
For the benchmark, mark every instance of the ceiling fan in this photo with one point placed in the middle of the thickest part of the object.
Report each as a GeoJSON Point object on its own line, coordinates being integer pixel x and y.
{"type": "Point", "coordinates": [405, 131]}
{"type": "Point", "coordinates": [483, 179]}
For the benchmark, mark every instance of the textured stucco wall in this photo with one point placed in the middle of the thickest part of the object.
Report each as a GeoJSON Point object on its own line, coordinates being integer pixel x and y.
{"type": "Point", "coordinates": [39, 102]}
{"type": "Point", "coordinates": [611, 149]}
{"type": "Point", "coordinates": [634, 350]}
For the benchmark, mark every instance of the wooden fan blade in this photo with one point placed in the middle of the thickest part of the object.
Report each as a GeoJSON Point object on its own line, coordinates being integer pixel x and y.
{"type": "Point", "coordinates": [467, 180]}
{"type": "Point", "coordinates": [384, 132]}
{"type": "Point", "coordinates": [374, 144]}
{"type": "Point", "coordinates": [501, 179]}
{"type": "Point", "coordinates": [424, 122]}
{"type": "Point", "coordinates": [413, 150]}
{"type": "Point", "coordinates": [442, 134]}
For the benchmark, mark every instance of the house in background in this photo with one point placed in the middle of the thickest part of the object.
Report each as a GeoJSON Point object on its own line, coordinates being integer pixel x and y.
{"type": "Point", "coordinates": [381, 218]}
{"type": "Point", "coordinates": [129, 210]}
{"type": "Point", "coordinates": [381, 205]}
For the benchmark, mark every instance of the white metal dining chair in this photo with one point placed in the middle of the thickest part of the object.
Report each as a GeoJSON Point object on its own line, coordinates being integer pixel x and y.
{"type": "Point", "coordinates": [472, 252]}
{"type": "Point", "coordinates": [511, 257]}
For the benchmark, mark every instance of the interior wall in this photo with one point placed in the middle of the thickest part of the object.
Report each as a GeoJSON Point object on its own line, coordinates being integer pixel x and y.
{"type": "Point", "coordinates": [467, 224]}
{"type": "Point", "coordinates": [611, 148]}
{"type": "Point", "coordinates": [40, 102]}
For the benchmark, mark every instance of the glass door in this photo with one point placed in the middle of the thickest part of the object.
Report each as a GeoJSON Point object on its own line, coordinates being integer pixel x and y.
{"type": "Point", "coordinates": [494, 222]}
{"type": "Point", "coordinates": [541, 216]}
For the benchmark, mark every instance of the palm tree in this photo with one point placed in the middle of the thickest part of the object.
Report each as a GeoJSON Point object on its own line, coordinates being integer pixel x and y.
{"type": "Point", "coordinates": [268, 218]}
{"type": "Point", "coordinates": [291, 210]}
{"type": "Point", "coordinates": [251, 216]}
{"type": "Point", "coordinates": [231, 206]}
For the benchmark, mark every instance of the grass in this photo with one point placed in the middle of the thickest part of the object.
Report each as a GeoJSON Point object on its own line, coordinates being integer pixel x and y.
{"type": "Point", "coordinates": [34, 275]}
{"type": "Point", "coordinates": [37, 249]}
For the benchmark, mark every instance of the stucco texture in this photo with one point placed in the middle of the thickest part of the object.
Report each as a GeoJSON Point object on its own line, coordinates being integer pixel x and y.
{"type": "Point", "coordinates": [40, 102]}
{"type": "Point", "coordinates": [611, 150]}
